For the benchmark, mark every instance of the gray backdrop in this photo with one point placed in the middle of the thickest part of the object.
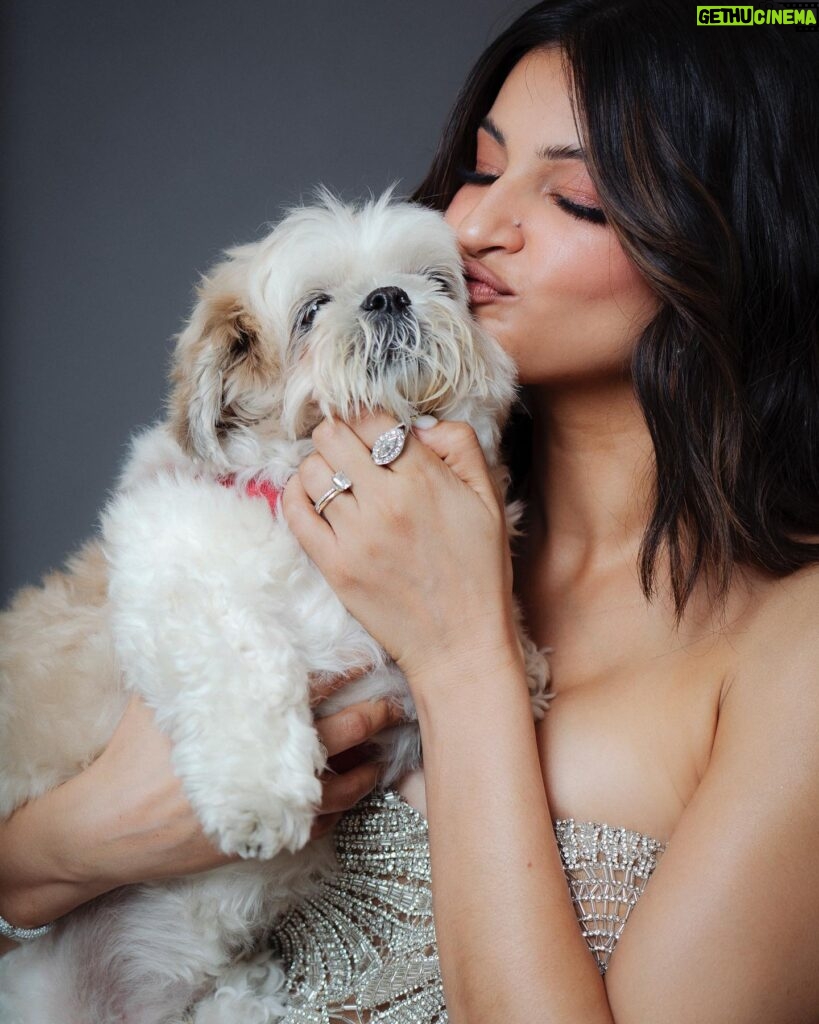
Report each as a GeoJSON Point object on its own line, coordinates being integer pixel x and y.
{"type": "Point", "coordinates": [139, 138]}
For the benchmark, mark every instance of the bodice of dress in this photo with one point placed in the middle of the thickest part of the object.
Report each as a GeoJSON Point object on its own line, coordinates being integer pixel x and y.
{"type": "Point", "coordinates": [363, 951]}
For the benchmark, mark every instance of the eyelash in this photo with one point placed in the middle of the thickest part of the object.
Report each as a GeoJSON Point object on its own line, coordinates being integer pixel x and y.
{"type": "Point", "coordinates": [588, 213]}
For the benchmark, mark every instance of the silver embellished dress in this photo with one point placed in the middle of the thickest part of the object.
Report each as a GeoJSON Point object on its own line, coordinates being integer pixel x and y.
{"type": "Point", "coordinates": [362, 950]}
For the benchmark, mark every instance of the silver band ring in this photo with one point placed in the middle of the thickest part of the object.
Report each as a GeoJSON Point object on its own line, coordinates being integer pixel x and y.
{"type": "Point", "coordinates": [389, 445]}
{"type": "Point", "coordinates": [340, 483]}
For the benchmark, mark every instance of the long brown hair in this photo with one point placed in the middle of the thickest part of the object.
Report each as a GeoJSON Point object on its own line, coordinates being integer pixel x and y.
{"type": "Point", "coordinates": [704, 149]}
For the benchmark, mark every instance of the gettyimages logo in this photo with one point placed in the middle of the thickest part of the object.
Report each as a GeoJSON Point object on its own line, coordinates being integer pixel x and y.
{"type": "Point", "coordinates": [802, 16]}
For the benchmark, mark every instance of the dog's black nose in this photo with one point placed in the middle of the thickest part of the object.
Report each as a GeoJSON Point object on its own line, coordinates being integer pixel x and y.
{"type": "Point", "coordinates": [390, 300]}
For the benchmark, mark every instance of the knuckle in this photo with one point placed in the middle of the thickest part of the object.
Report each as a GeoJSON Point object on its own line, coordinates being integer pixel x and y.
{"type": "Point", "coordinates": [308, 466]}
{"type": "Point", "coordinates": [396, 516]}
{"type": "Point", "coordinates": [395, 506]}
{"type": "Point", "coordinates": [343, 579]}
{"type": "Point", "coordinates": [458, 429]}
{"type": "Point", "coordinates": [464, 435]}
{"type": "Point", "coordinates": [371, 551]}
{"type": "Point", "coordinates": [383, 715]}
{"type": "Point", "coordinates": [324, 431]}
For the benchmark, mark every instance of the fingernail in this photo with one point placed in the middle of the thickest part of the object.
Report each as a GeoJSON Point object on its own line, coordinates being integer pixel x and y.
{"type": "Point", "coordinates": [424, 422]}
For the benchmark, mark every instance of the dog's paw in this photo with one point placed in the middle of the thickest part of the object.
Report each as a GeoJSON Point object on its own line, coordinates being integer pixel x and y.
{"type": "Point", "coordinates": [253, 833]}
{"type": "Point", "coordinates": [251, 991]}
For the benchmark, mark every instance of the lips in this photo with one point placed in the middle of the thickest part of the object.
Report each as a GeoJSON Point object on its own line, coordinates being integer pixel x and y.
{"type": "Point", "coordinates": [483, 285]}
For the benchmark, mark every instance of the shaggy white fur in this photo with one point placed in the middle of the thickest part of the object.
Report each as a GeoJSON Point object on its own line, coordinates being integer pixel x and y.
{"type": "Point", "coordinates": [199, 598]}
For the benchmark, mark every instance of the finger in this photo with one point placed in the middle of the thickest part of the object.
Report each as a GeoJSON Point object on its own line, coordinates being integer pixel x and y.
{"type": "Point", "coordinates": [457, 444]}
{"type": "Point", "coordinates": [316, 476]}
{"type": "Point", "coordinates": [349, 446]}
{"type": "Point", "coordinates": [311, 531]}
{"type": "Point", "coordinates": [356, 724]}
{"type": "Point", "coordinates": [347, 759]}
{"type": "Point", "coordinates": [324, 823]}
{"type": "Point", "coordinates": [341, 792]}
{"type": "Point", "coordinates": [324, 684]}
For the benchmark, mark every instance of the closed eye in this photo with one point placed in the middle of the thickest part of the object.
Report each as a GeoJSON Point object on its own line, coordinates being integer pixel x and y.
{"type": "Point", "coordinates": [591, 213]}
{"type": "Point", "coordinates": [588, 213]}
{"type": "Point", "coordinates": [470, 177]}
{"type": "Point", "coordinates": [444, 282]}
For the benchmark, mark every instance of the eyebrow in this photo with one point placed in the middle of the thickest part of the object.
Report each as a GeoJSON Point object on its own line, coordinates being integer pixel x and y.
{"type": "Point", "coordinates": [543, 152]}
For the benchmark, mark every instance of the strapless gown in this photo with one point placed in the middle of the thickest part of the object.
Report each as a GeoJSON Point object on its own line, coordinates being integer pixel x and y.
{"type": "Point", "coordinates": [362, 950]}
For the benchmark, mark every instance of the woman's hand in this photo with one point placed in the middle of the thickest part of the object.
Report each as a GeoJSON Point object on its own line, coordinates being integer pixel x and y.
{"type": "Point", "coordinates": [417, 550]}
{"type": "Point", "coordinates": [138, 816]}
{"type": "Point", "coordinates": [126, 818]}
{"type": "Point", "coordinates": [123, 819]}
{"type": "Point", "coordinates": [351, 773]}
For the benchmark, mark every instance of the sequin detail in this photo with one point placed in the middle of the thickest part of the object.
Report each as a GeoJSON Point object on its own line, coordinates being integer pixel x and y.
{"type": "Point", "coordinates": [607, 869]}
{"type": "Point", "coordinates": [363, 951]}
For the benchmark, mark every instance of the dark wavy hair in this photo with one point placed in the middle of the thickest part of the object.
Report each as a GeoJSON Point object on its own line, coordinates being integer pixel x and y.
{"type": "Point", "coordinates": [703, 144]}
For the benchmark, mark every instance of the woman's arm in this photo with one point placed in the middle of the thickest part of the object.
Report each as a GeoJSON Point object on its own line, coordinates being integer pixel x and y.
{"type": "Point", "coordinates": [126, 819]}
{"type": "Point", "coordinates": [37, 882]}
{"type": "Point", "coordinates": [722, 934]}
{"type": "Point", "coordinates": [510, 946]}
{"type": "Point", "coordinates": [123, 819]}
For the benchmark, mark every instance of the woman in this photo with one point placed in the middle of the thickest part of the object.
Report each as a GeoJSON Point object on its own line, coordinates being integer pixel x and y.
{"type": "Point", "coordinates": [637, 208]}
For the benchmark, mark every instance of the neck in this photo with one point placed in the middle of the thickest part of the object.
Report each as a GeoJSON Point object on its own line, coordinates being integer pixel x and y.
{"type": "Point", "coordinates": [592, 477]}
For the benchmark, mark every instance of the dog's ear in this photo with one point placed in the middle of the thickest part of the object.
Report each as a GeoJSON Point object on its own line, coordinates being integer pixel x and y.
{"type": "Point", "coordinates": [225, 374]}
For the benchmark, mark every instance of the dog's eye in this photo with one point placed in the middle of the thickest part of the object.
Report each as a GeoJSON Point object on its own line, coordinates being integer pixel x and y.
{"type": "Point", "coordinates": [308, 313]}
{"type": "Point", "coordinates": [444, 282]}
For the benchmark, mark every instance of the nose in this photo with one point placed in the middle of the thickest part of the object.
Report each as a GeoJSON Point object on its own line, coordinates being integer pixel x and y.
{"type": "Point", "coordinates": [484, 220]}
{"type": "Point", "coordinates": [390, 301]}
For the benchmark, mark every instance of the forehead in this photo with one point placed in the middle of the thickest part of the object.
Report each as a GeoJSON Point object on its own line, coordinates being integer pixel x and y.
{"type": "Point", "coordinates": [533, 106]}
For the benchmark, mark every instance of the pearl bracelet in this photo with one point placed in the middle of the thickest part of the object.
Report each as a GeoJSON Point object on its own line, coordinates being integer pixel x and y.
{"type": "Point", "coordinates": [8, 931]}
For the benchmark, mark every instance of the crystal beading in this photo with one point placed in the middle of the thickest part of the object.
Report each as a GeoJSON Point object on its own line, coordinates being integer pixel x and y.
{"type": "Point", "coordinates": [363, 950]}
{"type": "Point", "coordinates": [10, 931]}
{"type": "Point", "coordinates": [607, 869]}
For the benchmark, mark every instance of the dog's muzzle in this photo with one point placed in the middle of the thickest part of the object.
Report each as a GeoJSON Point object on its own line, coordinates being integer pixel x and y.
{"type": "Point", "coordinates": [392, 324]}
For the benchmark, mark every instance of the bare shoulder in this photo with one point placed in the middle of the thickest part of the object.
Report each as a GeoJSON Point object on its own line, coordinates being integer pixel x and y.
{"type": "Point", "coordinates": [778, 643]}
{"type": "Point", "coordinates": [791, 595]}
{"type": "Point", "coordinates": [769, 710]}
{"type": "Point", "coordinates": [740, 854]}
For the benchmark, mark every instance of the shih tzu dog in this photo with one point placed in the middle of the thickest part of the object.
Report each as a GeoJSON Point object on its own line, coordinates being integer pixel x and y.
{"type": "Point", "coordinates": [196, 596]}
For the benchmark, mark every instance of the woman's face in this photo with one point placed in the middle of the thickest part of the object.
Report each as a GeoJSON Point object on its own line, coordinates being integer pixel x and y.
{"type": "Point", "coordinates": [547, 278]}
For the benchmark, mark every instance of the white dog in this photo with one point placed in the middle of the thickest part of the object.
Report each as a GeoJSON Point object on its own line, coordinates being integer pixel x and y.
{"type": "Point", "coordinates": [197, 596]}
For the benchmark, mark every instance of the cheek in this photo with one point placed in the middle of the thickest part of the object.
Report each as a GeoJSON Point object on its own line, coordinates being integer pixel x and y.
{"type": "Point", "coordinates": [588, 306]}
{"type": "Point", "coordinates": [635, 302]}
{"type": "Point", "coordinates": [596, 274]}
{"type": "Point", "coordinates": [458, 208]}
{"type": "Point", "coordinates": [622, 277]}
